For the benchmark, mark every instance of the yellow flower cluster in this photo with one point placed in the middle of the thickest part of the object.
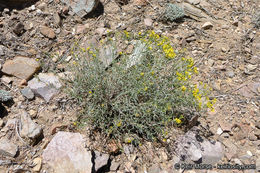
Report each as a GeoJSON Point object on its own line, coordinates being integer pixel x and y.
{"type": "Point", "coordinates": [177, 120]}
{"type": "Point", "coordinates": [210, 104]}
{"type": "Point", "coordinates": [164, 42]}
{"type": "Point", "coordinates": [119, 123]}
{"type": "Point", "coordinates": [126, 34]}
{"type": "Point", "coordinates": [168, 50]}
{"type": "Point", "coordinates": [184, 76]}
{"type": "Point", "coordinates": [93, 54]}
{"type": "Point", "coordinates": [197, 95]}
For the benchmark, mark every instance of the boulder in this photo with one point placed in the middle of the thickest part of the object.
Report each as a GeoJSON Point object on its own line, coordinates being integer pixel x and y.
{"type": "Point", "coordinates": [7, 148]}
{"type": "Point", "coordinates": [29, 129]}
{"type": "Point", "coordinates": [46, 85]}
{"type": "Point", "coordinates": [66, 153]}
{"type": "Point", "coordinates": [193, 148]}
{"type": "Point", "coordinates": [81, 7]}
{"type": "Point", "coordinates": [21, 67]}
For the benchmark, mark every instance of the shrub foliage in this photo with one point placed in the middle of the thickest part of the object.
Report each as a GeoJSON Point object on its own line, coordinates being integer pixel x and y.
{"type": "Point", "coordinates": [140, 94]}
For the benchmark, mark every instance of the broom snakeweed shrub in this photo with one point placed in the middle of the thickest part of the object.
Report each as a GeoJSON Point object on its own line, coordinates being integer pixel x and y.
{"type": "Point", "coordinates": [142, 100]}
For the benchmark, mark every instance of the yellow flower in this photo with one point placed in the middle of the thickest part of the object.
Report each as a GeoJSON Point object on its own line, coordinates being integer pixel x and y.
{"type": "Point", "coordinates": [183, 88]}
{"type": "Point", "coordinates": [119, 123]}
{"type": "Point", "coordinates": [137, 115]}
{"type": "Point", "coordinates": [150, 48]}
{"type": "Point", "coordinates": [169, 107]}
{"type": "Point", "coordinates": [164, 140]}
{"type": "Point", "coordinates": [88, 48]}
{"type": "Point", "coordinates": [83, 49]}
{"type": "Point", "coordinates": [152, 73]}
{"type": "Point", "coordinates": [74, 123]}
{"type": "Point", "coordinates": [120, 53]}
{"type": "Point", "coordinates": [146, 88]}
{"type": "Point", "coordinates": [141, 73]}
{"type": "Point", "coordinates": [90, 92]}
{"type": "Point", "coordinates": [177, 120]}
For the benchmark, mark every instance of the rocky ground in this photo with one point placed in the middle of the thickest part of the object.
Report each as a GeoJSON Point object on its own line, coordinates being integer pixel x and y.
{"type": "Point", "coordinates": [37, 129]}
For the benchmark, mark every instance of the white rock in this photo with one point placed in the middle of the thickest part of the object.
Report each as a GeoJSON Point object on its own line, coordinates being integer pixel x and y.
{"type": "Point", "coordinates": [100, 160]}
{"type": "Point", "coordinates": [219, 131]}
{"type": "Point", "coordinates": [207, 25]}
{"type": "Point", "coordinates": [7, 148]}
{"type": "Point", "coordinates": [38, 164]}
{"type": "Point", "coordinates": [258, 164]}
{"type": "Point", "coordinates": [46, 85]}
{"type": "Point", "coordinates": [237, 161]}
{"type": "Point", "coordinates": [148, 21]}
{"type": "Point", "coordinates": [249, 153]}
{"type": "Point", "coordinates": [211, 152]}
{"type": "Point", "coordinates": [29, 129]}
{"type": "Point", "coordinates": [68, 58]}
{"type": "Point", "coordinates": [66, 153]}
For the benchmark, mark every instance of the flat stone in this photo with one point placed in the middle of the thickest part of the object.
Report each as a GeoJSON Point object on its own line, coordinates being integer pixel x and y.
{"type": "Point", "coordinates": [257, 125]}
{"type": "Point", "coordinates": [225, 126]}
{"type": "Point", "coordinates": [57, 19]}
{"type": "Point", "coordinates": [47, 32]}
{"type": "Point", "coordinates": [148, 21]}
{"type": "Point", "coordinates": [232, 149]}
{"type": "Point", "coordinates": [114, 166]}
{"type": "Point", "coordinates": [100, 160]}
{"type": "Point", "coordinates": [230, 73]}
{"type": "Point", "coordinates": [6, 79]}
{"type": "Point", "coordinates": [38, 164]}
{"type": "Point", "coordinates": [21, 67]}
{"type": "Point", "coordinates": [258, 164]}
{"type": "Point", "coordinates": [193, 147]}
{"type": "Point", "coordinates": [212, 152]}
{"type": "Point", "coordinates": [46, 85]}
{"type": "Point", "coordinates": [81, 7]}
{"type": "Point", "coordinates": [154, 169]}
{"type": "Point", "coordinates": [29, 129]}
{"type": "Point", "coordinates": [207, 25]}
{"type": "Point", "coordinates": [27, 92]}
{"type": "Point", "coordinates": [66, 153]}
{"type": "Point", "coordinates": [7, 148]}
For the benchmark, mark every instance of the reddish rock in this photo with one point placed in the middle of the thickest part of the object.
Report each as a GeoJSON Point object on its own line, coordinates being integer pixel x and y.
{"type": "Point", "coordinates": [21, 67]}
{"type": "Point", "coordinates": [47, 32]}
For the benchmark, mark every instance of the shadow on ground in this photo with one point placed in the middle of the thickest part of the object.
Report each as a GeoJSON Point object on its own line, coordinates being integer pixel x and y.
{"type": "Point", "coordinates": [16, 4]}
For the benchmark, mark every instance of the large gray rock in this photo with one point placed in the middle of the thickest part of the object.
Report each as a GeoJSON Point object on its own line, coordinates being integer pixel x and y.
{"type": "Point", "coordinates": [7, 148]}
{"type": "Point", "coordinates": [192, 147]}
{"type": "Point", "coordinates": [21, 67]}
{"type": "Point", "coordinates": [29, 129]}
{"type": "Point", "coordinates": [81, 7]}
{"type": "Point", "coordinates": [27, 92]}
{"type": "Point", "coordinates": [46, 85]}
{"type": "Point", "coordinates": [66, 153]}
